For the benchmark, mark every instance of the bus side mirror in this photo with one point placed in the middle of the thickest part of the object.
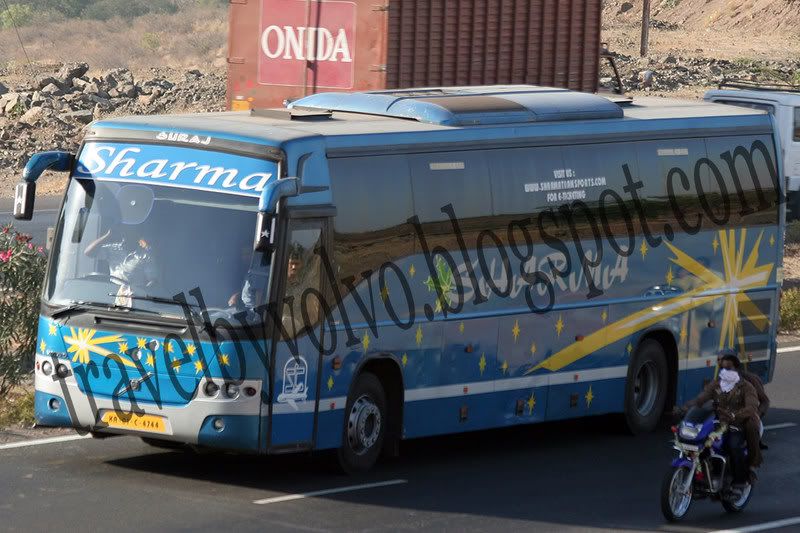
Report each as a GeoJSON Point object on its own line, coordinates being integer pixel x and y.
{"type": "Point", "coordinates": [24, 196]}
{"type": "Point", "coordinates": [273, 192]}
{"type": "Point", "coordinates": [25, 193]}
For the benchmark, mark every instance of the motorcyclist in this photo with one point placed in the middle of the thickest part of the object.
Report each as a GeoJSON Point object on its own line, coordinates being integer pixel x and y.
{"type": "Point", "coordinates": [736, 403]}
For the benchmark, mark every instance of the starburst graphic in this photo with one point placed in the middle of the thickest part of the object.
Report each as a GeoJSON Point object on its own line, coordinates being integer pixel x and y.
{"type": "Point", "coordinates": [531, 403]}
{"type": "Point", "coordinates": [444, 282]}
{"type": "Point", "coordinates": [190, 349]}
{"type": "Point", "coordinates": [330, 382]}
{"type": "Point", "coordinates": [515, 330]}
{"type": "Point", "coordinates": [559, 325]}
{"type": "Point", "coordinates": [604, 315]}
{"type": "Point", "coordinates": [482, 363]}
{"type": "Point", "coordinates": [504, 367]}
{"type": "Point", "coordinates": [224, 360]}
{"type": "Point", "coordinates": [83, 343]}
{"type": "Point", "coordinates": [168, 347]}
{"type": "Point", "coordinates": [123, 347]}
{"type": "Point", "coordinates": [151, 361]}
{"type": "Point", "coordinates": [741, 273]}
{"type": "Point", "coordinates": [629, 348]}
{"type": "Point", "coordinates": [419, 335]}
{"type": "Point", "coordinates": [461, 327]}
{"type": "Point", "coordinates": [42, 347]}
{"type": "Point", "coordinates": [533, 348]}
{"type": "Point", "coordinates": [715, 244]}
{"type": "Point", "coordinates": [141, 342]}
{"type": "Point", "coordinates": [643, 248]}
{"type": "Point", "coordinates": [404, 359]}
{"type": "Point", "coordinates": [589, 397]}
{"type": "Point", "coordinates": [52, 329]}
{"type": "Point", "coordinates": [669, 277]}
{"type": "Point", "coordinates": [365, 341]}
{"type": "Point", "coordinates": [412, 270]}
{"type": "Point", "coordinates": [384, 293]}
{"type": "Point", "coordinates": [198, 366]}
{"type": "Point", "coordinates": [772, 240]}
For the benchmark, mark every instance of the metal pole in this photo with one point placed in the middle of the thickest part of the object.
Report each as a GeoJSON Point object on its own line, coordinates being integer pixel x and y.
{"type": "Point", "coordinates": [645, 27]}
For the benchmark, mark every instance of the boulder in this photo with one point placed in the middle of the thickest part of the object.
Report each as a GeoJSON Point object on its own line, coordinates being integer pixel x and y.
{"type": "Point", "coordinates": [32, 116]}
{"type": "Point", "coordinates": [70, 71]}
{"type": "Point", "coordinates": [43, 82]}
{"type": "Point", "coordinates": [84, 116]}
{"type": "Point", "coordinates": [52, 89]}
{"type": "Point", "coordinates": [3, 89]}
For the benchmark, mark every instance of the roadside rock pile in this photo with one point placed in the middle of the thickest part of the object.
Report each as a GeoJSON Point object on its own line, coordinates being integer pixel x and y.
{"type": "Point", "coordinates": [669, 73]}
{"type": "Point", "coordinates": [49, 112]}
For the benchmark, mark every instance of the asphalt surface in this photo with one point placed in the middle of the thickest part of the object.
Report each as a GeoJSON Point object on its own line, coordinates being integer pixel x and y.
{"type": "Point", "coordinates": [574, 476]}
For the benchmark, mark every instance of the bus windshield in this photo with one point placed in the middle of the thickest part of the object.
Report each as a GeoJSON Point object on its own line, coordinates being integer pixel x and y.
{"type": "Point", "coordinates": [149, 247]}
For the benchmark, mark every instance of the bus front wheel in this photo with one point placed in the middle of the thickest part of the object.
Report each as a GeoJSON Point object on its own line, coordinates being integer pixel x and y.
{"type": "Point", "coordinates": [364, 425]}
{"type": "Point", "coordinates": [646, 387]}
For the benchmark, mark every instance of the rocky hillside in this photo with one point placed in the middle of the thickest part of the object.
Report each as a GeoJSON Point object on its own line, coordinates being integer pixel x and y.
{"type": "Point", "coordinates": [49, 110]}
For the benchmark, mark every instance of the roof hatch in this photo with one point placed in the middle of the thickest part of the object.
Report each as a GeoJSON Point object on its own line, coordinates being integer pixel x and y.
{"type": "Point", "coordinates": [466, 106]}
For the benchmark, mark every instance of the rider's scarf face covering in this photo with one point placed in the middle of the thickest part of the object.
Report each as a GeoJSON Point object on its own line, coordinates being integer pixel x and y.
{"type": "Point", "coordinates": [728, 379]}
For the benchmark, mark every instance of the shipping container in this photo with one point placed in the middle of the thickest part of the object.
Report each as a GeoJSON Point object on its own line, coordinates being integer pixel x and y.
{"type": "Point", "coordinates": [281, 50]}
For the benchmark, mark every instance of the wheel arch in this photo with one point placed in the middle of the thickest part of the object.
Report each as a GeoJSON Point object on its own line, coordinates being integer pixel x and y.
{"type": "Point", "coordinates": [386, 368]}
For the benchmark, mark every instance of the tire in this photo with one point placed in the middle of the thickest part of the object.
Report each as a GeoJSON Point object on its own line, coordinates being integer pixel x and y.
{"type": "Point", "coordinates": [675, 510]}
{"type": "Point", "coordinates": [646, 387]}
{"type": "Point", "coordinates": [365, 425]}
{"type": "Point", "coordinates": [737, 506]}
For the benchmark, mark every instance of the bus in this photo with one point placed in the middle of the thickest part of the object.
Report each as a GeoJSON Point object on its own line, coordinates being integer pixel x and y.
{"type": "Point", "coordinates": [362, 268]}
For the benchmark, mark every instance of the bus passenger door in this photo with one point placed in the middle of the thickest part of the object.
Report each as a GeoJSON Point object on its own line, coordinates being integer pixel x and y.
{"type": "Point", "coordinates": [296, 355]}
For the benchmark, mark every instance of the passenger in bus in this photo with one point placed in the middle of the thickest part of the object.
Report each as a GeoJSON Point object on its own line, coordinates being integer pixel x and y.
{"type": "Point", "coordinates": [299, 278]}
{"type": "Point", "coordinates": [130, 259]}
{"type": "Point", "coordinates": [736, 403]}
{"type": "Point", "coordinates": [254, 286]}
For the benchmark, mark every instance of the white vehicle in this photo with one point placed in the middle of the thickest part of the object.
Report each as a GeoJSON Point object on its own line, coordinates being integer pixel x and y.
{"type": "Point", "coordinates": [782, 101]}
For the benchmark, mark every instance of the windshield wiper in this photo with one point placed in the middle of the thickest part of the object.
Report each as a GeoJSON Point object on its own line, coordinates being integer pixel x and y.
{"type": "Point", "coordinates": [197, 317]}
{"type": "Point", "coordinates": [81, 306]}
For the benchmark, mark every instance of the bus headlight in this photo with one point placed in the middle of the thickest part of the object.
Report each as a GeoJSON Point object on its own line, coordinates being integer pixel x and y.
{"type": "Point", "coordinates": [62, 370]}
{"type": "Point", "coordinates": [211, 389]}
{"type": "Point", "coordinates": [47, 368]}
{"type": "Point", "coordinates": [231, 390]}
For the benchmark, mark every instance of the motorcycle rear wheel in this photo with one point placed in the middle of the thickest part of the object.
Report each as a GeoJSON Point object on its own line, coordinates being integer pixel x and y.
{"type": "Point", "coordinates": [738, 505]}
{"type": "Point", "coordinates": [674, 504]}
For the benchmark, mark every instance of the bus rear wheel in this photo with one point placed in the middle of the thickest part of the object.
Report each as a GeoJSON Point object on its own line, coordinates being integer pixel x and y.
{"type": "Point", "coordinates": [646, 387]}
{"type": "Point", "coordinates": [364, 425]}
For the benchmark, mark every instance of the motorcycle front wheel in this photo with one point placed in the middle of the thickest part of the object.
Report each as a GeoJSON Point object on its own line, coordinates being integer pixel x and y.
{"type": "Point", "coordinates": [675, 502]}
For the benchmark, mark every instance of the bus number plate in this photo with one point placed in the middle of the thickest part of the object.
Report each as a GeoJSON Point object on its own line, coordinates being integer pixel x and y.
{"type": "Point", "coordinates": [150, 423]}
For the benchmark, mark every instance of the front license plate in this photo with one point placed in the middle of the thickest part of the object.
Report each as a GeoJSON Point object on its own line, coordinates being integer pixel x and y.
{"type": "Point", "coordinates": [149, 423]}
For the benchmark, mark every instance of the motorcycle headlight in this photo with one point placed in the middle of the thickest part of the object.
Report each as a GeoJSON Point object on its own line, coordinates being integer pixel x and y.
{"type": "Point", "coordinates": [689, 432]}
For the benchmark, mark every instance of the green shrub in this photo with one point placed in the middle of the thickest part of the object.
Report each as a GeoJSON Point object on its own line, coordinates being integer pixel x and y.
{"type": "Point", "coordinates": [21, 274]}
{"type": "Point", "coordinates": [18, 409]}
{"type": "Point", "coordinates": [17, 15]}
{"type": "Point", "coordinates": [126, 9]}
{"type": "Point", "coordinates": [792, 235]}
{"type": "Point", "coordinates": [151, 41]}
{"type": "Point", "coordinates": [790, 310]}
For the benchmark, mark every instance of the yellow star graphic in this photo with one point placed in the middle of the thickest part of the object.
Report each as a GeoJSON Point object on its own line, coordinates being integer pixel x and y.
{"type": "Point", "coordinates": [365, 341]}
{"type": "Point", "coordinates": [461, 327]}
{"type": "Point", "coordinates": [83, 342]}
{"type": "Point", "coordinates": [140, 342]}
{"type": "Point", "coordinates": [643, 248]}
{"type": "Point", "coordinates": [224, 360]}
{"type": "Point", "coordinates": [198, 366]}
{"type": "Point", "coordinates": [772, 240]}
{"type": "Point", "coordinates": [176, 364]}
{"type": "Point", "coordinates": [669, 276]}
{"type": "Point", "coordinates": [42, 347]}
{"type": "Point", "coordinates": [589, 397]}
{"type": "Point", "coordinates": [151, 361]}
{"type": "Point", "coordinates": [629, 347]}
{"type": "Point", "coordinates": [683, 333]}
{"type": "Point", "coordinates": [482, 363]}
{"type": "Point", "coordinates": [412, 270]}
{"type": "Point", "coordinates": [604, 315]}
{"type": "Point", "coordinates": [515, 330]}
{"type": "Point", "coordinates": [419, 336]}
{"type": "Point", "coordinates": [123, 347]}
{"type": "Point", "coordinates": [190, 349]}
{"type": "Point", "coordinates": [404, 359]}
{"type": "Point", "coordinates": [504, 367]}
{"type": "Point", "coordinates": [533, 348]}
{"type": "Point", "coordinates": [384, 293]}
{"type": "Point", "coordinates": [168, 348]}
{"type": "Point", "coordinates": [559, 325]}
{"type": "Point", "coordinates": [531, 403]}
{"type": "Point", "coordinates": [715, 244]}
{"type": "Point", "coordinates": [330, 382]}
{"type": "Point", "coordinates": [52, 330]}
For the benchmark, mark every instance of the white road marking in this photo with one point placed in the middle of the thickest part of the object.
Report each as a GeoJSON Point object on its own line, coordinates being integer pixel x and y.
{"type": "Point", "coordinates": [789, 349]}
{"type": "Point", "coordinates": [763, 527]}
{"type": "Point", "coordinates": [37, 442]}
{"type": "Point", "coordinates": [780, 426]}
{"type": "Point", "coordinates": [35, 211]}
{"type": "Point", "coordinates": [290, 497]}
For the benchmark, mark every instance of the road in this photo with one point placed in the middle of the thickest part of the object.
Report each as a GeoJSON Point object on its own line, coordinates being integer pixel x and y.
{"type": "Point", "coordinates": [575, 476]}
{"type": "Point", "coordinates": [44, 216]}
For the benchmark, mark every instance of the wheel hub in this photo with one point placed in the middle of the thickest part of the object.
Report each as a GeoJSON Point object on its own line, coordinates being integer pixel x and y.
{"type": "Point", "coordinates": [645, 388]}
{"type": "Point", "coordinates": [363, 425]}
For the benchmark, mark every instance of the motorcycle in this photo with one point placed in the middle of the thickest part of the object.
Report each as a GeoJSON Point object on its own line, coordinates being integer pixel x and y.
{"type": "Point", "coordinates": [702, 469]}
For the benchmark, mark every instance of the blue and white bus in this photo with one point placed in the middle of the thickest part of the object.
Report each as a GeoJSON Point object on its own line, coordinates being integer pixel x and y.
{"type": "Point", "coordinates": [364, 268]}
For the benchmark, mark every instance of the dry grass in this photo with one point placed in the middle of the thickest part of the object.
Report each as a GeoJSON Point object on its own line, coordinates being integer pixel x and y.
{"type": "Point", "coordinates": [194, 37]}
